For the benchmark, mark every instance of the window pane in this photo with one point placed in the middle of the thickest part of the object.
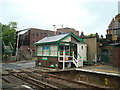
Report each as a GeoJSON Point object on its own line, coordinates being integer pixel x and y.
{"type": "Point", "coordinates": [53, 50]}
{"type": "Point", "coordinates": [45, 50]}
{"type": "Point", "coordinates": [39, 50]}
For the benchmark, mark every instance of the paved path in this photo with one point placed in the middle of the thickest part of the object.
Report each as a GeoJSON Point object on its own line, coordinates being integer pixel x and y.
{"type": "Point", "coordinates": [18, 65]}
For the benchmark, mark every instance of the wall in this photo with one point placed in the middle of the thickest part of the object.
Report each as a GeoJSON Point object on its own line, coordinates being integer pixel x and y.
{"type": "Point", "coordinates": [34, 35]}
{"type": "Point", "coordinates": [92, 48]}
{"type": "Point", "coordinates": [92, 78]}
{"type": "Point", "coordinates": [66, 30]}
{"type": "Point", "coordinates": [73, 39]}
{"type": "Point", "coordinates": [25, 48]}
{"type": "Point", "coordinates": [38, 34]}
{"type": "Point", "coordinates": [68, 39]}
{"type": "Point", "coordinates": [116, 57]}
{"type": "Point", "coordinates": [82, 50]}
{"type": "Point", "coordinates": [109, 54]}
{"type": "Point", "coordinates": [46, 63]}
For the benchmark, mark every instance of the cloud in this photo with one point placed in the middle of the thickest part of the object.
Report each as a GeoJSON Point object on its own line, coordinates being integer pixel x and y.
{"type": "Point", "coordinates": [79, 14]}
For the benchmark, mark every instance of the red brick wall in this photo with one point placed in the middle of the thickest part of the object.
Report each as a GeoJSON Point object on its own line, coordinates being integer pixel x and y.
{"type": "Point", "coordinates": [116, 57]}
{"type": "Point", "coordinates": [66, 30]}
{"type": "Point", "coordinates": [46, 63]}
{"type": "Point", "coordinates": [36, 35]}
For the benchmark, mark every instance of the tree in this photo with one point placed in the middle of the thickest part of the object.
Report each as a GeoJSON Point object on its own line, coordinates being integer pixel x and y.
{"type": "Point", "coordinates": [93, 35]}
{"type": "Point", "coordinates": [97, 35]}
{"type": "Point", "coordinates": [101, 36]}
{"type": "Point", "coordinates": [82, 33]}
{"type": "Point", "coordinates": [13, 25]}
{"type": "Point", "coordinates": [119, 20]}
{"type": "Point", "coordinates": [8, 33]}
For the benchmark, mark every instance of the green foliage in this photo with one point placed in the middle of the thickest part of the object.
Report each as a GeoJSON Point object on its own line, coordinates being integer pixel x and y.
{"type": "Point", "coordinates": [82, 33]}
{"type": "Point", "coordinates": [119, 20]}
{"type": "Point", "coordinates": [0, 32]}
{"type": "Point", "coordinates": [8, 33]}
{"type": "Point", "coordinates": [93, 35]}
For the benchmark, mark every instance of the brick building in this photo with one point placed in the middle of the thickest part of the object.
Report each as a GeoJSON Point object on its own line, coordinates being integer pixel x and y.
{"type": "Point", "coordinates": [29, 36]}
{"type": "Point", "coordinates": [66, 30]}
{"type": "Point", "coordinates": [113, 31]}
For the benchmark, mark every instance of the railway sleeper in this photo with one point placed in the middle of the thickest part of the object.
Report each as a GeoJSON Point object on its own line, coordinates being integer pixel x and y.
{"type": "Point", "coordinates": [37, 83]}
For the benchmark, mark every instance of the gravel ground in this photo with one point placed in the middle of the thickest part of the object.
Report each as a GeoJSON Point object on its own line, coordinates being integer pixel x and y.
{"type": "Point", "coordinates": [15, 82]}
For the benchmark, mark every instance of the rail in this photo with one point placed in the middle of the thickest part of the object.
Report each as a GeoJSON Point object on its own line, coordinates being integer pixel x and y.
{"type": "Point", "coordinates": [35, 82]}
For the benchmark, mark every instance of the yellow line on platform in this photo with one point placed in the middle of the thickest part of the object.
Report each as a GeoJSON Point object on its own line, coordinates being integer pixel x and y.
{"type": "Point", "coordinates": [106, 71]}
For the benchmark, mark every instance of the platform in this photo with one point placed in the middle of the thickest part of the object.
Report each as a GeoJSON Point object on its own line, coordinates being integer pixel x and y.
{"type": "Point", "coordinates": [102, 69]}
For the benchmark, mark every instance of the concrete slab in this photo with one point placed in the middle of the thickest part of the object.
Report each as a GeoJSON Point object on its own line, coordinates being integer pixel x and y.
{"type": "Point", "coordinates": [102, 69]}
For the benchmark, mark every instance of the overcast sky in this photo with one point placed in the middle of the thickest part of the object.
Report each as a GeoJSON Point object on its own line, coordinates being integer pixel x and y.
{"type": "Point", "coordinates": [89, 16]}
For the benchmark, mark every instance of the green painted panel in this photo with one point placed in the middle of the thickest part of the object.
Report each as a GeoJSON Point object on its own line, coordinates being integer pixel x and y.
{"type": "Point", "coordinates": [44, 58]}
{"type": "Point", "coordinates": [51, 65]}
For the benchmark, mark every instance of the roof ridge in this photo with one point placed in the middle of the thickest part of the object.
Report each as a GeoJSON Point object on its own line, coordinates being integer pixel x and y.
{"type": "Point", "coordinates": [59, 34]}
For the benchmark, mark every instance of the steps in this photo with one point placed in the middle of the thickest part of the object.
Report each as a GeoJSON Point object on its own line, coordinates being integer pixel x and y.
{"type": "Point", "coordinates": [78, 62]}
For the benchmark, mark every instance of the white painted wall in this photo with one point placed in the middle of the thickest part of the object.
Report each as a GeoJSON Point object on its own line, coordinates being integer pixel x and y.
{"type": "Point", "coordinates": [82, 51]}
{"type": "Point", "coordinates": [68, 39]}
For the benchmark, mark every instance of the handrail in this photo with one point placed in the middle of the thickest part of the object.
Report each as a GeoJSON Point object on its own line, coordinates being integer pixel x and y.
{"type": "Point", "coordinates": [65, 52]}
{"type": "Point", "coordinates": [75, 60]}
{"type": "Point", "coordinates": [79, 56]}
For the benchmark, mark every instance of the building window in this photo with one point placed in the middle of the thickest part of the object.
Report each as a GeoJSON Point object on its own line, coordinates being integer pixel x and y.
{"type": "Point", "coordinates": [65, 49]}
{"type": "Point", "coordinates": [39, 50]}
{"type": "Point", "coordinates": [33, 34]}
{"type": "Point", "coordinates": [53, 50]}
{"type": "Point", "coordinates": [36, 33]}
{"type": "Point", "coordinates": [45, 50]}
{"type": "Point", "coordinates": [45, 34]}
{"type": "Point", "coordinates": [110, 52]}
{"type": "Point", "coordinates": [81, 47]}
{"type": "Point", "coordinates": [41, 34]}
{"type": "Point", "coordinates": [114, 32]}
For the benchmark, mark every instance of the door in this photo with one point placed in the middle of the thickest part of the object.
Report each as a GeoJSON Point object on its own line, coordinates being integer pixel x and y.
{"type": "Point", "coordinates": [75, 50]}
{"type": "Point", "coordinates": [104, 55]}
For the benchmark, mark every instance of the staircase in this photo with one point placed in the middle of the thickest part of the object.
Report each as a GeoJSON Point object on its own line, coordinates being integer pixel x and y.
{"type": "Point", "coordinates": [77, 62]}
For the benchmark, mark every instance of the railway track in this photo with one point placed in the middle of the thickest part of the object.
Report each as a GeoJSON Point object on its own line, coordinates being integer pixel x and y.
{"type": "Point", "coordinates": [39, 84]}
{"type": "Point", "coordinates": [43, 80]}
{"type": "Point", "coordinates": [5, 80]}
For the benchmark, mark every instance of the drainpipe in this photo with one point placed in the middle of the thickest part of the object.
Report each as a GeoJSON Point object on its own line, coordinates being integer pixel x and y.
{"type": "Point", "coordinates": [63, 60]}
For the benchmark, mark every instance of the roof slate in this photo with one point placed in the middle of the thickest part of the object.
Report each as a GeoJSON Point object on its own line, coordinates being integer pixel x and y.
{"type": "Point", "coordinates": [52, 38]}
